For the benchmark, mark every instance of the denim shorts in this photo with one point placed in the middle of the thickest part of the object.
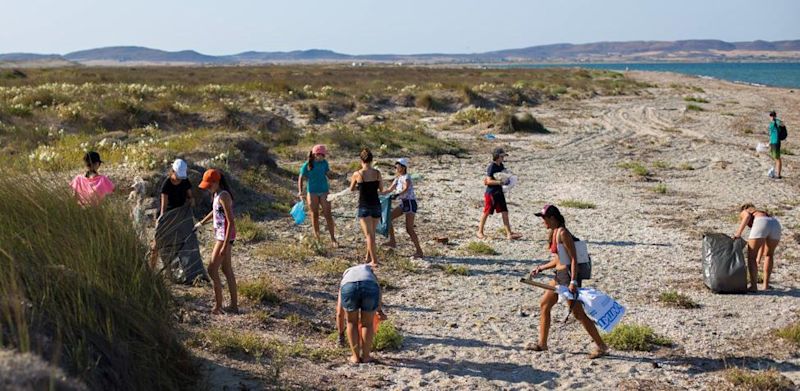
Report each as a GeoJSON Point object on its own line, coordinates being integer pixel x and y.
{"type": "Point", "coordinates": [361, 295]}
{"type": "Point", "coordinates": [369, 211]}
{"type": "Point", "coordinates": [409, 206]}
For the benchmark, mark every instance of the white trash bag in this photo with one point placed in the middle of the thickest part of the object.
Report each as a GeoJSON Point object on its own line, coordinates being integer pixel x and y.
{"type": "Point", "coordinates": [771, 172]}
{"type": "Point", "coordinates": [762, 147]}
{"type": "Point", "coordinates": [604, 311]}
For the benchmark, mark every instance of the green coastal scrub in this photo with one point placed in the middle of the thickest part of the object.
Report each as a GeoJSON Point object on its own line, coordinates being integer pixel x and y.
{"type": "Point", "coordinates": [317, 177]}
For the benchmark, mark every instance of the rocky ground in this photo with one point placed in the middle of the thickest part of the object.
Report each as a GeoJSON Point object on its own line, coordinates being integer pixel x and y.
{"type": "Point", "coordinates": [468, 332]}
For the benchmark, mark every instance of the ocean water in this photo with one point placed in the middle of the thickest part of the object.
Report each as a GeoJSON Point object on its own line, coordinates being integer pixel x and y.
{"type": "Point", "coordinates": [769, 74]}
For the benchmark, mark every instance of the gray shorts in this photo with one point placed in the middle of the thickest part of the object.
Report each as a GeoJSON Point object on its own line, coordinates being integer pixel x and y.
{"type": "Point", "coordinates": [765, 227]}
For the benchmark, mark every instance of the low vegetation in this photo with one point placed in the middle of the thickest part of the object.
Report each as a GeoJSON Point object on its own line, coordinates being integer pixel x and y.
{"type": "Point", "coordinates": [519, 123]}
{"type": "Point", "coordinates": [679, 300]}
{"type": "Point", "coordinates": [769, 380]}
{"type": "Point", "coordinates": [248, 230]}
{"type": "Point", "coordinates": [453, 270]}
{"type": "Point", "coordinates": [636, 168]}
{"type": "Point", "coordinates": [261, 290]}
{"type": "Point", "coordinates": [695, 99]}
{"type": "Point", "coordinates": [577, 204]}
{"type": "Point", "coordinates": [388, 337]}
{"type": "Point", "coordinates": [693, 107]}
{"type": "Point", "coordinates": [790, 333]}
{"type": "Point", "coordinates": [75, 289]}
{"type": "Point", "coordinates": [660, 188]}
{"type": "Point", "coordinates": [480, 248]}
{"type": "Point", "coordinates": [635, 337]}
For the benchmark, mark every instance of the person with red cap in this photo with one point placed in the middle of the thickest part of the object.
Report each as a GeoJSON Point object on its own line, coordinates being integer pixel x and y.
{"type": "Point", "coordinates": [224, 236]}
{"type": "Point", "coordinates": [567, 274]}
{"type": "Point", "coordinates": [316, 170]}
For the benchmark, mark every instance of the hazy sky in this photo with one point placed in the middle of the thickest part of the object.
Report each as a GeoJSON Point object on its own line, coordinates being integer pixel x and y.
{"type": "Point", "coordinates": [381, 26]}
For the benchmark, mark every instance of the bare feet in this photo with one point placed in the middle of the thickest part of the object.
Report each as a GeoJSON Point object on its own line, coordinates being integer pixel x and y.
{"type": "Point", "coordinates": [231, 310]}
{"type": "Point", "coordinates": [481, 235]}
{"type": "Point", "coordinates": [382, 315]}
{"type": "Point", "coordinates": [334, 244]}
{"type": "Point", "coordinates": [355, 360]}
{"type": "Point", "coordinates": [765, 287]}
{"type": "Point", "coordinates": [535, 347]}
{"type": "Point", "coordinates": [598, 352]}
{"type": "Point", "coordinates": [389, 244]}
{"type": "Point", "coordinates": [514, 236]}
{"type": "Point", "coordinates": [752, 289]}
{"type": "Point", "coordinates": [217, 311]}
{"type": "Point", "coordinates": [418, 254]}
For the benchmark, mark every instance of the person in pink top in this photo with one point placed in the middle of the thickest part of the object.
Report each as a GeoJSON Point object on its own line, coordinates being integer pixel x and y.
{"type": "Point", "coordinates": [224, 235]}
{"type": "Point", "coordinates": [91, 188]}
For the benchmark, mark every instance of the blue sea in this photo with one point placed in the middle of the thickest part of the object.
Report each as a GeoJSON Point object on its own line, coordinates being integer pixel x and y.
{"type": "Point", "coordinates": [769, 74]}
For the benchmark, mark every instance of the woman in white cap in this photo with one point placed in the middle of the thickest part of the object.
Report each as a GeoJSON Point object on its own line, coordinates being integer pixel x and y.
{"type": "Point", "coordinates": [403, 188]}
{"type": "Point", "coordinates": [176, 191]}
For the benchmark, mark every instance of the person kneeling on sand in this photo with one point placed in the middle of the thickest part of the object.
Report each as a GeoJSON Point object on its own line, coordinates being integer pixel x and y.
{"type": "Point", "coordinates": [360, 297]}
{"type": "Point", "coordinates": [493, 199]}
{"type": "Point", "coordinates": [403, 188]}
{"type": "Point", "coordinates": [765, 234]}
{"type": "Point", "coordinates": [553, 220]}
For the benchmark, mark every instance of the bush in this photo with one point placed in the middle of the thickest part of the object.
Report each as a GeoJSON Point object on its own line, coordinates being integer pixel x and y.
{"type": "Point", "coordinates": [694, 99]}
{"type": "Point", "coordinates": [235, 342]}
{"type": "Point", "coordinates": [474, 116]}
{"type": "Point", "coordinates": [523, 123]}
{"type": "Point", "coordinates": [790, 333]}
{"type": "Point", "coordinates": [480, 248]}
{"type": "Point", "coordinates": [430, 103]}
{"type": "Point", "coordinates": [675, 299]}
{"type": "Point", "coordinates": [248, 230]}
{"type": "Point", "coordinates": [634, 337]}
{"type": "Point", "coordinates": [75, 277]}
{"type": "Point", "coordinates": [453, 270]}
{"type": "Point", "coordinates": [262, 290]}
{"type": "Point", "coordinates": [578, 204]}
{"type": "Point", "coordinates": [635, 167]}
{"type": "Point", "coordinates": [770, 380]}
{"type": "Point", "coordinates": [387, 337]}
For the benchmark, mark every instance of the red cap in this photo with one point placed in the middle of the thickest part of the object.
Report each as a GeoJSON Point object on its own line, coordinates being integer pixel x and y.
{"type": "Point", "coordinates": [209, 177]}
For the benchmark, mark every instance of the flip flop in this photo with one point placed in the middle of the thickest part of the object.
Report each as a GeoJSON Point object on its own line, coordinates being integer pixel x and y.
{"type": "Point", "coordinates": [535, 347]}
{"type": "Point", "coordinates": [516, 236]}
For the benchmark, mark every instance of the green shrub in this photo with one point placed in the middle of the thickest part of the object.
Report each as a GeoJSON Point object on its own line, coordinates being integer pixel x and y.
{"type": "Point", "coordinates": [694, 99]}
{"type": "Point", "coordinates": [430, 103]}
{"type": "Point", "coordinates": [522, 123]}
{"type": "Point", "coordinates": [248, 230]}
{"type": "Point", "coordinates": [770, 380]}
{"type": "Point", "coordinates": [636, 337]}
{"type": "Point", "coordinates": [661, 165]}
{"type": "Point", "coordinates": [675, 299]}
{"type": "Point", "coordinates": [635, 167]}
{"type": "Point", "coordinates": [474, 116]}
{"type": "Point", "coordinates": [686, 166]}
{"type": "Point", "coordinates": [453, 270]}
{"type": "Point", "coordinates": [790, 333]}
{"type": "Point", "coordinates": [480, 248]}
{"type": "Point", "coordinates": [387, 337]}
{"type": "Point", "coordinates": [76, 277]}
{"type": "Point", "coordinates": [229, 341]}
{"type": "Point", "coordinates": [578, 204]}
{"type": "Point", "coordinates": [660, 188]}
{"type": "Point", "coordinates": [261, 290]}
{"type": "Point", "coordinates": [692, 107]}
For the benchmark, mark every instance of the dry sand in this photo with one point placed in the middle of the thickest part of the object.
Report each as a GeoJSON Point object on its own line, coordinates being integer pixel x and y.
{"type": "Point", "coordinates": [466, 332]}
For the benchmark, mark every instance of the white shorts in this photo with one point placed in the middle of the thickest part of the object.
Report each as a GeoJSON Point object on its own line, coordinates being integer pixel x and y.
{"type": "Point", "coordinates": [766, 227]}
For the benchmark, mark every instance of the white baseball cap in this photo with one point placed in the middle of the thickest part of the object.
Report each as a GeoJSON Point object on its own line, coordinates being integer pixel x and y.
{"type": "Point", "coordinates": [402, 161]}
{"type": "Point", "coordinates": [180, 168]}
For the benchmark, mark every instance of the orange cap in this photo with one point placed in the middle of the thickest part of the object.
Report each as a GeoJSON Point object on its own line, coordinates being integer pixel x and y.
{"type": "Point", "coordinates": [210, 176]}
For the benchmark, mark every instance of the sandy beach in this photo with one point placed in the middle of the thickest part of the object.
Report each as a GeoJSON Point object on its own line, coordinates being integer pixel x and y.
{"type": "Point", "coordinates": [468, 332]}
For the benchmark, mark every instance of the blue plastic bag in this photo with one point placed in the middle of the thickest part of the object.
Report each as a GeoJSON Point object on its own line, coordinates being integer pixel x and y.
{"type": "Point", "coordinates": [385, 224]}
{"type": "Point", "coordinates": [299, 212]}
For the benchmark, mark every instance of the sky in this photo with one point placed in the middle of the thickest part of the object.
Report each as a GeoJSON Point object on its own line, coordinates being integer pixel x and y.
{"type": "Point", "coordinates": [381, 26]}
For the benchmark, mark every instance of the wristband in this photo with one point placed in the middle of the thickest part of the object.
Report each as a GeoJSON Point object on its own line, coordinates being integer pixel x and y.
{"type": "Point", "coordinates": [573, 282]}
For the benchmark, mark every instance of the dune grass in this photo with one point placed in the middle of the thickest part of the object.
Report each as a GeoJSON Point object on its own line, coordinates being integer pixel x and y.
{"type": "Point", "coordinates": [481, 248]}
{"type": "Point", "coordinates": [790, 333]}
{"type": "Point", "coordinates": [676, 299]}
{"type": "Point", "coordinates": [660, 188]}
{"type": "Point", "coordinates": [636, 168]}
{"type": "Point", "coordinates": [76, 277]}
{"type": "Point", "coordinates": [635, 337]}
{"type": "Point", "coordinates": [695, 99]}
{"type": "Point", "coordinates": [248, 230]}
{"type": "Point", "coordinates": [577, 204]}
{"type": "Point", "coordinates": [453, 270]}
{"type": "Point", "coordinates": [769, 380]}
{"type": "Point", "coordinates": [261, 290]}
{"type": "Point", "coordinates": [693, 107]}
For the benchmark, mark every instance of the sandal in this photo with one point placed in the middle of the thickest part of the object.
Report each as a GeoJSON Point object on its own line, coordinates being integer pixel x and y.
{"type": "Point", "coordinates": [535, 347]}
{"type": "Point", "coordinates": [515, 236]}
{"type": "Point", "coordinates": [597, 353]}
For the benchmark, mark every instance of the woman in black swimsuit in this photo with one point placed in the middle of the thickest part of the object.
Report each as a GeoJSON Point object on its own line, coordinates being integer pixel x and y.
{"type": "Point", "coordinates": [368, 182]}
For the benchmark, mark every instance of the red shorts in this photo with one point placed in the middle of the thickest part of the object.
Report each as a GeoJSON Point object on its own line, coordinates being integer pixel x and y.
{"type": "Point", "coordinates": [494, 202]}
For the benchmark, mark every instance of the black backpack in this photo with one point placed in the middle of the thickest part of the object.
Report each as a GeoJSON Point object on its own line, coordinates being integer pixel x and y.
{"type": "Point", "coordinates": [782, 133]}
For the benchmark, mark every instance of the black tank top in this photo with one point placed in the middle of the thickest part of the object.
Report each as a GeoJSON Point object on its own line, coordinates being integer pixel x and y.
{"type": "Point", "coordinates": [368, 195]}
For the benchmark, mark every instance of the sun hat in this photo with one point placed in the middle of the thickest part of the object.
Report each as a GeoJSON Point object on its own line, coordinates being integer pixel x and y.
{"type": "Point", "coordinates": [548, 211]}
{"type": "Point", "coordinates": [180, 167]}
{"type": "Point", "coordinates": [210, 176]}
{"type": "Point", "coordinates": [92, 157]}
{"type": "Point", "coordinates": [402, 161]}
{"type": "Point", "coordinates": [319, 149]}
{"type": "Point", "coordinates": [499, 152]}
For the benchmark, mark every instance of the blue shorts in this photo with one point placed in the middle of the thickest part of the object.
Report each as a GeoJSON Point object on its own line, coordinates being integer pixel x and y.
{"type": "Point", "coordinates": [369, 211]}
{"type": "Point", "coordinates": [361, 295]}
{"type": "Point", "coordinates": [409, 206]}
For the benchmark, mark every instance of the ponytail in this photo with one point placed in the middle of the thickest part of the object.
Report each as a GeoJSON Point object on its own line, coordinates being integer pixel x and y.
{"type": "Point", "coordinates": [223, 185]}
{"type": "Point", "coordinates": [310, 163]}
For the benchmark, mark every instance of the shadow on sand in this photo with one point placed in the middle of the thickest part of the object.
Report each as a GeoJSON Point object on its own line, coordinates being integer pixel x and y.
{"type": "Point", "coordinates": [491, 371]}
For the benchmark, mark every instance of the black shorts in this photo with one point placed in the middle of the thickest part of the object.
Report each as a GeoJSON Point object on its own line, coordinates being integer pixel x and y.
{"type": "Point", "coordinates": [369, 211]}
{"type": "Point", "coordinates": [409, 206]}
{"type": "Point", "coordinates": [562, 278]}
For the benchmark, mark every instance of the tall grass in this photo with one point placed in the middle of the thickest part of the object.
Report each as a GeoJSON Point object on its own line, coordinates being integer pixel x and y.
{"type": "Point", "coordinates": [74, 288]}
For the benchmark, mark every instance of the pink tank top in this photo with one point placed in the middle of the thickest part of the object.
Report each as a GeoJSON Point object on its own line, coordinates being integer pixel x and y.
{"type": "Point", "coordinates": [220, 222]}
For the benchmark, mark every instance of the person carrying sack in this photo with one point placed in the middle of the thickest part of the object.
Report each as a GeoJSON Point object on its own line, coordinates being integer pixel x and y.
{"type": "Point", "coordinates": [569, 272]}
{"type": "Point", "coordinates": [777, 133]}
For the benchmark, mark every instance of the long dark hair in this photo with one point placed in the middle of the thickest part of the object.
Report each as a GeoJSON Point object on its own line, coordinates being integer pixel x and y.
{"type": "Point", "coordinates": [223, 184]}
{"type": "Point", "coordinates": [90, 158]}
{"type": "Point", "coordinates": [310, 160]}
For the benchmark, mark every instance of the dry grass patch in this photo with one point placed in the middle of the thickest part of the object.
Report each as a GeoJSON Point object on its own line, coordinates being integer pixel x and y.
{"type": "Point", "coordinates": [453, 270]}
{"type": "Point", "coordinates": [577, 204]}
{"type": "Point", "coordinates": [636, 168]}
{"type": "Point", "coordinates": [660, 188]}
{"type": "Point", "coordinates": [790, 333]}
{"type": "Point", "coordinates": [635, 337]}
{"type": "Point", "coordinates": [262, 290]}
{"type": "Point", "coordinates": [480, 248]}
{"type": "Point", "coordinates": [283, 251]}
{"type": "Point", "coordinates": [330, 267]}
{"type": "Point", "coordinates": [675, 299]}
{"type": "Point", "coordinates": [388, 337]}
{"type": "Point", "coordinates": [248, 230]}
{"type": "Point", "coordinates": [770, 380]}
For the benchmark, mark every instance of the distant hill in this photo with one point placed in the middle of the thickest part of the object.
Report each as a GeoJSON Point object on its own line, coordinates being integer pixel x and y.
{"type": "Point", "coordinates": [631, 51]}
